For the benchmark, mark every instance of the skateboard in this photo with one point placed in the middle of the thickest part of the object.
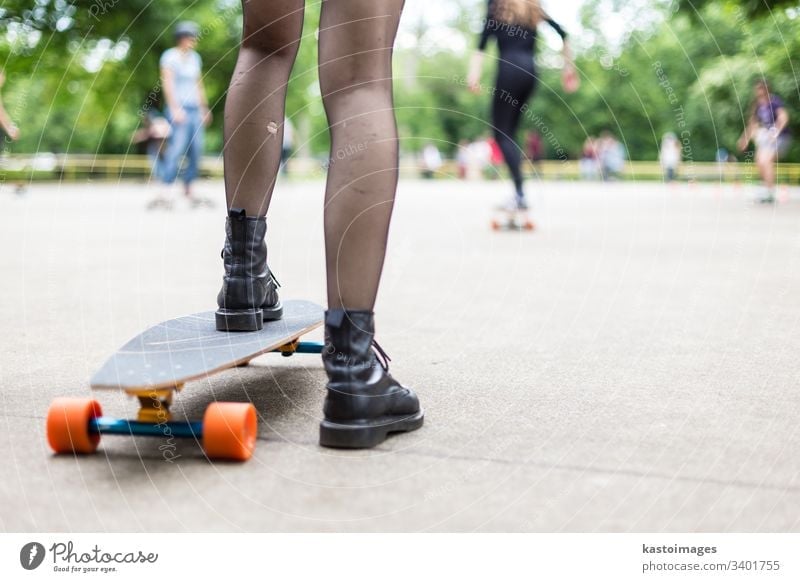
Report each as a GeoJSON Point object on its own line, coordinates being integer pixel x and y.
{"type": "Point", "coordinates": [517, 219]}
{"type": "Point", "coordinates": [156, 364]}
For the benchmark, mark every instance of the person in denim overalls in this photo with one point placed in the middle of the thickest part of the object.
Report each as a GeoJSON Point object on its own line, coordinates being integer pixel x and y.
{"type": "Point", "coordinates": [186, 109]}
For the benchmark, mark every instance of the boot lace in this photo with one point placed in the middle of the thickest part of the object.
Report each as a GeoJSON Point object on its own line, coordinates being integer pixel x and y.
{"type": "Point", "coordinates": [382, 357]}
{"type": "Point", "coordinates": [274, 279]}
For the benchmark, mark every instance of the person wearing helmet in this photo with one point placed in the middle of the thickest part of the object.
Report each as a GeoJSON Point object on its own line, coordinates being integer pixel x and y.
{"type": "Point", "coordinates": [186, 109]}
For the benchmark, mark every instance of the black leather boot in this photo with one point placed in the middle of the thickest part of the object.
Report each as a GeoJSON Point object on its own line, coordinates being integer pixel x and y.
{"type": "Point", "coordinates": [249, 294]}
{"type": "Point", "coordinates": [364, 403]}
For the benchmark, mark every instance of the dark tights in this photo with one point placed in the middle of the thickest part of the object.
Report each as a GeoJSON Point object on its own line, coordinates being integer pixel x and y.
{"type": "Point", "coordinates": [516, 82]}
{"type": "Point", "coordinates": [355, 69]}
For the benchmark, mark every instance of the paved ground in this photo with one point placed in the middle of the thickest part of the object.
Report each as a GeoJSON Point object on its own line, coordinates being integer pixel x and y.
{"type": "Point", "coordinates": [631, 366]}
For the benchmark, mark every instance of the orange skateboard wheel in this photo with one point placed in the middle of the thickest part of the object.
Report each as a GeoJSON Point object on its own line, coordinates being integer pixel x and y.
{"type": "Point", "coordinates": [229, 430]}
{"type": "Point", "coordinates": [68, 425]}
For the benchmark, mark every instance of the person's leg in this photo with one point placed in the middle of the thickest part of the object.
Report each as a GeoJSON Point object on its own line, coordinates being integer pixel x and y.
{"type": "Point", "coordinates": [195, 153]}
{"type": "Point", "coordinates": [514, 87]}
{"type": "Point", "coordinates": [254, 114]}
{"type": "Point", "coordinates": [255, 106]}
{"type": "Point", "coordinates": [174, 150]}
{"type": "Point", "coordinates": [503, 128]}
{"type": "Point", "coordinates": [766, 157]}
{"type": "Point", "coordinates": [355, 68]}
{"type": "Point", "coordinates": [363, 402]}
{"type": "Point", "coordinates": [152, 157]}
{"type": "Point", "coordinates": [766, 167]}
{"type": "Point", "coordinates": [179, 138]}
{"type": "Point", "coordinates": [523, 91]}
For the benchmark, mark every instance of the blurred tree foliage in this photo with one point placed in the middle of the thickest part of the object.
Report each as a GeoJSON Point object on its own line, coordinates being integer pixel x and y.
{"type": "Point", "coordinates": [674, 73]}
{"type": "Point", "coordinates": [749, 7]}
{"type": "Point", "coordinates": [81, 73]}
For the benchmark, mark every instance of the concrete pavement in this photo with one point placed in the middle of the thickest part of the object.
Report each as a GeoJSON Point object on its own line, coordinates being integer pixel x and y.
{"type": "Point", "coordinates": [630, 366]}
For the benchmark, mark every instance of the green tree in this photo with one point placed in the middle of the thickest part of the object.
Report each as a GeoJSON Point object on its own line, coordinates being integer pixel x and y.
{"type": "Point", "coordinates": [82, 74]}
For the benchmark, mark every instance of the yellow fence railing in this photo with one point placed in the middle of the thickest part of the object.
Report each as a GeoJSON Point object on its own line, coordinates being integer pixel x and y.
{"type": "Point", "coordinates": [71, 167]}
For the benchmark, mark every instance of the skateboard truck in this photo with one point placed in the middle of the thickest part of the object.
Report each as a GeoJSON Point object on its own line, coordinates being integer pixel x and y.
{"type": "Point", "coordinates": [287, 350]}
{"type": "Point", "coordinates": [298, 347]}
{"type": "Point", "coordinates": [154, 406]}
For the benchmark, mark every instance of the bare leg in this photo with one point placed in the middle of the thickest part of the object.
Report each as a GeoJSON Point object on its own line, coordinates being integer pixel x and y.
{"type": "Point", "coordinates": [355, 67]}
{"type": "Point", "coordinates": [255, 106]}
{"type": "Point", "coordinates": [766, 167]}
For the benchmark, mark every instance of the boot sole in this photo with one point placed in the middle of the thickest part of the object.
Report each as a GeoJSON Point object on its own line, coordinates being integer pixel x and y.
{"type": "Point", "coordinates": [246, 319]}
{"type": "Point", "coordinates": [365, 435]}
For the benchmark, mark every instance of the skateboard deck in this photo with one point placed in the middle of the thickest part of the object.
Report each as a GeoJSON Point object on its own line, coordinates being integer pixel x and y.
{"type": "Point", "coordinates": [181, 350]}
{"type": "Point", "coordinates": [156, 364]}
{"type": "Point", "coordinates": [507, 219]}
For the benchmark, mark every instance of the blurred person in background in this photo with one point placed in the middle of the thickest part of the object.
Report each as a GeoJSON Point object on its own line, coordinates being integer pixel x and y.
{"type": "Point", "coordinates": [431, 160]}
{"type": "Point", "coordinates": [463, 159]}
{"type": "Point", "coordinates": [186, 110]}
{"type": "Point", "coordinates": [8, 127]}
{"type": "Point", "coordinates": [535, 151]}
{"type": "Point", "coordinates": [8, 132]}
{"type": "Point", "coordinates": [670, 156]}
{"type": "Point", "coordinates": [768, 128]}
{"type": "Point", "coordinates": [589, 165]}
{"type": "Point", "coordinates": [151, 139]}
{"type": "Point", "coordinates": [495, 158]}
{"type": "Point", "coordinates": [611, 153]}
{"type": "Point", "coordinates": [480, 153]}
{"type": "Point", "coordinates": [288, 145]}
{"type": "Point", "coordinates": [513, 24]}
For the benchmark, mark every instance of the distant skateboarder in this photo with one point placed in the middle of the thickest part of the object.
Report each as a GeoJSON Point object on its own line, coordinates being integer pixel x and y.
{"type": "Point", "coordinates": [513, 24]}
{"type": "Point", "coordinates": [768, 129]}
{"type": "Point", "coordinates": [186, 110]}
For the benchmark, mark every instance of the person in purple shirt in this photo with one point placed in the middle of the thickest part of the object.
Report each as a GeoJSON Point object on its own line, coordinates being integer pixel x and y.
{"type": "Point", "coordinates": [768, 128]}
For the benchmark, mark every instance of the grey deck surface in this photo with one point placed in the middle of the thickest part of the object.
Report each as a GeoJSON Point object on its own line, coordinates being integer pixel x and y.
{"type": "Point", "coordinates": [183, 349]}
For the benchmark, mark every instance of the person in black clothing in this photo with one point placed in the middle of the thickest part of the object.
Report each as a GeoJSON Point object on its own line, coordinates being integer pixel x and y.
{"type": "Point", "coordinates": [364, 402]}
{"type": "Point", "coordinates": [513, 24]}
